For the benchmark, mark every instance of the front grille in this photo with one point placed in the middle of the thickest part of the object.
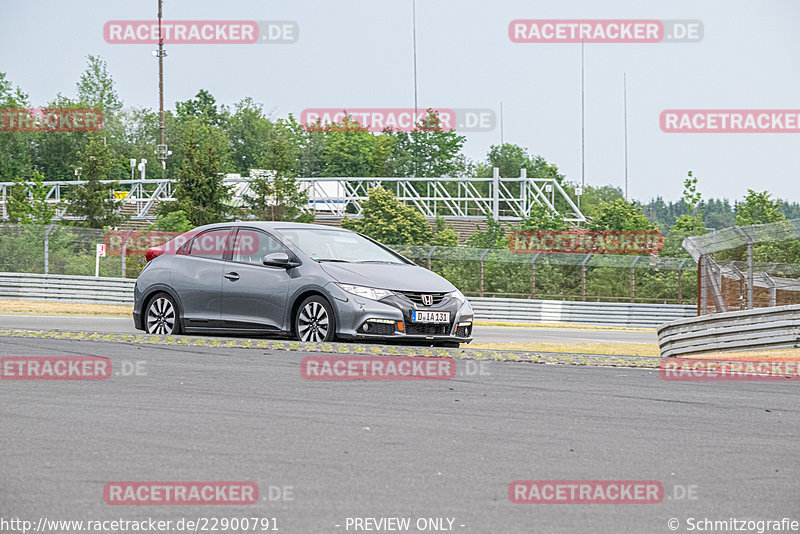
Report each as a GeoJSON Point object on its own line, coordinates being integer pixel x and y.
{"type": "Point", "coordinates": [416, 329]}
{"type": "Point", "coordinates": [416, 297]}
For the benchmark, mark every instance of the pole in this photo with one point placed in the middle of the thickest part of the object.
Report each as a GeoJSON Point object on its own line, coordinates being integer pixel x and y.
{"type": "Point", "coordinates": [703, 275]}
{"type": "Point", "coordinates": [496, 193]}
{"type": "Point", "coordinates": [533, 275]}
{"type": "Point", "coordinates": [502, 141]}
{"type": "Point", "coordinates": [583, 138]}
{"type": "Point", "coordinates": [161, 93]}
{"type": "Point", "coordinates": [414, 34]}
{"type": "Point", "coordinates": [47, 248]}
{"type": "Point", "coordinates": [625, 106]}
{"type": "Point", "coordinates": [750, 274]}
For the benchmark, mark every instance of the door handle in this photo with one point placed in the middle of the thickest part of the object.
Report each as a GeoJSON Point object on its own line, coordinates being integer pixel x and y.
{"type": "Point", "coordinates": [232, 276]}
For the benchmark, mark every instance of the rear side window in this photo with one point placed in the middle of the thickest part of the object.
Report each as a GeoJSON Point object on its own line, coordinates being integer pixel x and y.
{"type": "Point", "coordinates": [212, 244]}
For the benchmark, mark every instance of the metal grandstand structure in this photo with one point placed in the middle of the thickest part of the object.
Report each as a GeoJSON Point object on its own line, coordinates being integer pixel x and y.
{"type": "Point", "coordinates": [452, 198]}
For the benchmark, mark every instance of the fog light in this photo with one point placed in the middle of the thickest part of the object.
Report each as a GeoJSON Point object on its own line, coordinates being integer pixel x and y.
{"type": "Point", "coordinates": [365, 328]}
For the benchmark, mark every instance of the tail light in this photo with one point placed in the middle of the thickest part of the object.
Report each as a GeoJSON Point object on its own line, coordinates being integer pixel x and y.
{"type": "Point", "coordinates": [153, 252]}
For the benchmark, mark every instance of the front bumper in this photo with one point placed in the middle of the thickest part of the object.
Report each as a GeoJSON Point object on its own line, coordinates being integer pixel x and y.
{"type": "Point", "coordinates": [390, 319]}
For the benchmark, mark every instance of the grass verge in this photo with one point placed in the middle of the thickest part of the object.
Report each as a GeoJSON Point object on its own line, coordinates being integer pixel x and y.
{"type": "Point", "coordinates": [30, 307]}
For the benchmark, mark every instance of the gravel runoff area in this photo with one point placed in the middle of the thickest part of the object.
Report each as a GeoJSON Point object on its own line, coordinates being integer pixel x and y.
{"type": "Point", "coordinates": [466, 353]}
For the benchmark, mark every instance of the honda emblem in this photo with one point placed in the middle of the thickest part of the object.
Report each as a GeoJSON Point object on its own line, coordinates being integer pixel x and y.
{"type": "Point", "coordinates": [427, 300]}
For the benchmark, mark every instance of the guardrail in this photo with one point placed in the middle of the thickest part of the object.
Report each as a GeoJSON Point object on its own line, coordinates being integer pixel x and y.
{"type": "Point", "coordinates": [65, 288]}
{"type": "Point", "coordinates": [758, 329]}
{"type": "Point", "coordinates": [91, 290]}
{"type": "Point", "coordinates": [558, 311]}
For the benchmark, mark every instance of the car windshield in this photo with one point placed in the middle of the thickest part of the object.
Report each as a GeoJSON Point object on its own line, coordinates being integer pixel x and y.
{"type": "Point", "coordinates": [338, 246]}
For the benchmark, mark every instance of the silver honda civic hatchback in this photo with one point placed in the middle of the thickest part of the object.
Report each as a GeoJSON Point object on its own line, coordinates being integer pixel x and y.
{"type": "Point", "coordinates": [313, 282]}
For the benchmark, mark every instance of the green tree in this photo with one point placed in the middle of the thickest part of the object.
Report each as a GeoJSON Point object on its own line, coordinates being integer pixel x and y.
{"type": "Point", "coordinates": [248, 131]}
{"type": "Point", "coordinates": [204, 107]}
{"type": "Point", "coordinates": [620, 214]}
{"type": "Point", "coordinates": [594, 196]}
{"type": "Point", "coordinates": [55, 154]}
{"type": "Point", "coordinates": [511, 159]}
{"type": "Point", "coordinates": [443, 234]}
{"type": "Point", "coordinates": [174, 221]}
{"type": "Point", "coordinates": [96, 87]}
{"type": "Point", "coordinates": [389, 221]}
{"type": "Point", "coordinates": [688, 224]}
{"type": "Point", "coordinates": [15, 147]}
{"type": "Point", "coordinates": [542, 218]}
{"type": "Point", "coordinates": [494, 236]}
{"type": "Point", "coordinates": [95, 200]}
{"type": "Point", "coordinates": [199, 191]}
{"type": "Point", "coordinates": [758, 208]}
{"type": "Point", "coordinates": [349, 149]}
{"type": "Point", "coordinates": [27, 203]}
{"type": "Point", "coordinates": [277, 199]}
{"type": "Point", "coordinates": [428, 150]}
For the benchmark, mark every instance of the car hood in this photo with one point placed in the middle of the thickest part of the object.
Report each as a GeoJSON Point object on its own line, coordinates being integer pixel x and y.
{"type": "Point", "coordinates": [388, 276]}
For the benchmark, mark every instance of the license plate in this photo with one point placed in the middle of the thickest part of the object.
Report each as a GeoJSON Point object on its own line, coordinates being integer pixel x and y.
{"type": "Point", "coordinates": [430, 317]}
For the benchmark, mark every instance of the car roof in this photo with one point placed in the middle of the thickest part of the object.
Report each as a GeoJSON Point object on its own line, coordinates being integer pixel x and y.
{"type": "Point", "coordinates": [272, 225]}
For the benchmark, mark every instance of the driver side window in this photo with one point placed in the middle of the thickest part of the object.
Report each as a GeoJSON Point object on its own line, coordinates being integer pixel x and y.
{"type": "Point", "coordinates": [250, 246]}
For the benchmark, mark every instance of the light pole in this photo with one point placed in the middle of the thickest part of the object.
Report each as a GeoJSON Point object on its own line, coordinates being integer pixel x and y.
{"type": "Point", "coordinates": [161, 54]}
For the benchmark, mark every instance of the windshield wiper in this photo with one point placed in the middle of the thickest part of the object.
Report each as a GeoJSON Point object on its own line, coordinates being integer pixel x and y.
{"type": "Point", "coordinates": [381, 261]}
{"type": "Point", "coordinates": [331, 259]}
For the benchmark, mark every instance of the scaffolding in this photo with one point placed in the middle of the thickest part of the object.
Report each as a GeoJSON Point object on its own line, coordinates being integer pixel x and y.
{"type": "Point", "coordinates": [467, 198]}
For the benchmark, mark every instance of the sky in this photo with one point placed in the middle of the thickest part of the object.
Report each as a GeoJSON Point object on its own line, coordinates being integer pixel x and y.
{"type": "Point", "coordinates": [359, 54]}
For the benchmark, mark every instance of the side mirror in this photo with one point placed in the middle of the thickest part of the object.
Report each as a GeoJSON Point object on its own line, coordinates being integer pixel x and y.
{"type": "Point", "coordinates": [278, 259]}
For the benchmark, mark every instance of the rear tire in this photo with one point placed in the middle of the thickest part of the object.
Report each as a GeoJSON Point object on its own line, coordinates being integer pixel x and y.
{"type": "Point", "coordinates": [161, 316]}
{"type": "Point", "coordinates": [314, 321]}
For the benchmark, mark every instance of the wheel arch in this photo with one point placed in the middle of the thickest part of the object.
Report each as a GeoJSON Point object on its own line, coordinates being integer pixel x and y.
{"type": "Point", "coordinates": [303, 294]}
{"type": "Point", "coordinates": [155, 290]}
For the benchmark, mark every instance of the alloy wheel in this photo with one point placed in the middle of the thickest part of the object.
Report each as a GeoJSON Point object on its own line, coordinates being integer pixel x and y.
{"type": "Point", "coordinates": [161, 316]}
{"type": "Point", "coordinates": [313, 322]}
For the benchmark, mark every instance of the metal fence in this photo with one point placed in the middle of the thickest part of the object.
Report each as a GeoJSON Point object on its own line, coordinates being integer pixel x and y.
{"type": "Point", "coordinates": [583, 277]}
{"type": "Point", "coordinates": [745, 267]}
{"type": "Point", "coordinates": [69, 250]}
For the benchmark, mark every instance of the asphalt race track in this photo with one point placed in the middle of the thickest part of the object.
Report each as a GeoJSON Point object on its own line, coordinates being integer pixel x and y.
{"type": "Point", "coordinates": [483, 334]}
{"type": "Point", "coordinates": [418, 449]}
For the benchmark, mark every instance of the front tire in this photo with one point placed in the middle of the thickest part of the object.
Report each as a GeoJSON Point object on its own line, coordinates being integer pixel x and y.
{"type": "Point", "coordinates": [161, 317]}
{"type": "Point", "coordinates": [314, 320]}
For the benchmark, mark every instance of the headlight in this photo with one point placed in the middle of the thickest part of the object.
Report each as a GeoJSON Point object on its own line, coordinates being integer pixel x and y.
{"type": "Point", "coordinates": [457, 295]}
{"type": "Point", "coordinates": [366, 292]}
